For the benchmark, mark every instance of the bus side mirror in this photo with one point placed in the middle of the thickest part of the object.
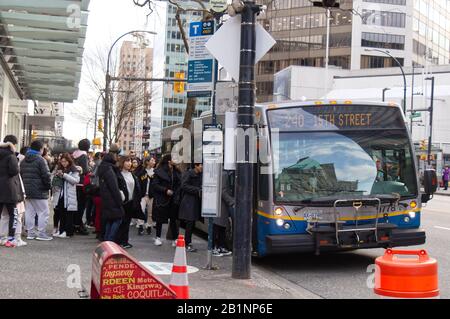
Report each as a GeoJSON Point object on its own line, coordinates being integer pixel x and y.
{"type": "Point", "coordinates": [429, 183]}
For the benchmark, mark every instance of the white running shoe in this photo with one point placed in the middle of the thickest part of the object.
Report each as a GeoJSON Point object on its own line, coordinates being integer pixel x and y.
{"type": "Point", "coordinates": [55, 232]}
{"type": "Point", "coordinates": [21, 243]}
{"type": "Point", "coordinates": [44, 237]}
{"type": "Point", "coordinates": [158, 241]}
{"type": "Point", "coordinates": [62, 235]}
{"type": "Point", "coordinates": [3, 241]}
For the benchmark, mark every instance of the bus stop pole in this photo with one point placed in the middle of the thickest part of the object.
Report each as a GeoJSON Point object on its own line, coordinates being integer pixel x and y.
{"type": "Point", "coordinates": [431, 120]}
{"type": "Point", "coordinates": [242, 227]}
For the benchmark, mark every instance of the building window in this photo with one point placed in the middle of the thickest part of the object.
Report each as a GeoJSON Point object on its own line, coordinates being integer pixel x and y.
{"type": "Point", "coordinates": [383, 40]}
{"type": "Point", "coordinates": [373, 62]}
{"type": "Point", "coordinates": [383, 18]}
{"type": "Point", "coordinates": [395, 2]}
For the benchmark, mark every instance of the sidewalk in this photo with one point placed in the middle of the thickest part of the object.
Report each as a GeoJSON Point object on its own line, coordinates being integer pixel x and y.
{"type": "Point", "coordinates": [443, 192]}
{"type": "Point", "coordinates": [45, 270]}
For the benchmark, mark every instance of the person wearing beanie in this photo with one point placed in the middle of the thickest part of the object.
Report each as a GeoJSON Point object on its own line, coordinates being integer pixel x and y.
{"type": "Point", "coordinates": [80, 157]}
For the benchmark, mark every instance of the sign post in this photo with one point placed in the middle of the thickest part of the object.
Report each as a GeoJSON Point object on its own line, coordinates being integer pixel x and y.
{"type": "Point", "coordinates": [201, 62]}
{"type": "Point", "coordinates": [212, 180]}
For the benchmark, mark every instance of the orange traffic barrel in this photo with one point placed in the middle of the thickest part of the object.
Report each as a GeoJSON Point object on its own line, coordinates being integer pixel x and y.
{"type": "Point", "coordinates": [400, 277]}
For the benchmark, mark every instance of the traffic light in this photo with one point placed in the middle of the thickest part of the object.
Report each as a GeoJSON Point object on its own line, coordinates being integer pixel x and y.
{"type": "Point", "coordinates": [423, 145]}
{"type": "Point", "coordinates": [97, 141]}
{"type": "Point", "coordinates": [100, 125]}
{"type": "Point", "coordinates": [33, 135]}
{"type": "Point", "coordinates": [178, 87]}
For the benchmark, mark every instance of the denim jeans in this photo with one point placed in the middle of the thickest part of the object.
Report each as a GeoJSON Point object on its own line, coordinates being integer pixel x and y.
{"type": "Point", "coordinates": [112, 227]}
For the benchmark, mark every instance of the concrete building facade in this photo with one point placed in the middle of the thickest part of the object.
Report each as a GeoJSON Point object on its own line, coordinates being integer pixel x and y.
{"type": "Point", "coordinates": [413, 31]}
{"type": "Point", "coordinates": [133, 97]}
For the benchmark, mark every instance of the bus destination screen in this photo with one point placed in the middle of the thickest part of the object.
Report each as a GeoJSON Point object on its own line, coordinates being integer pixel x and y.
{"type": "Point", "coordinates": [335, 117]}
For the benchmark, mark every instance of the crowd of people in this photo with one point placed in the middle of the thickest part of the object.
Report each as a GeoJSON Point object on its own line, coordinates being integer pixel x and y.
{"type": "Point", "coordinates": [107, 192]}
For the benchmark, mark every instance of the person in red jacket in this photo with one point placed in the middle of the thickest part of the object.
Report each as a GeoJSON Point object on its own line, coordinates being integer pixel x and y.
{"type": "Point", "coordinates": [94, 191]}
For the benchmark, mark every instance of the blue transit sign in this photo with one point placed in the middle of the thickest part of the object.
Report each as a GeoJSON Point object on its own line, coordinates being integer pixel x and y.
{"type": "Point", "coordinates": [201, 64]}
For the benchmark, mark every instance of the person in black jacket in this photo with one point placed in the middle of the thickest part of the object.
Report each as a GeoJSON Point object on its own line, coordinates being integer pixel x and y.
{"type": "Point", "coordinates": [111, 196]}
{"type": "Point", "coordinates": [11, 193]}
{"type": "Point", "coordinates": [81, 159]}
{"type": "Point", "coordinates": [145, 176]}
{"type": "Point", "coordinates": [191, 201]}
{"type": "Point", "coordinates": [130, 186]}
{"type": "Point", "coordinates": [165, 186]}
{"type": "Point", "coordinates": [37, 182]}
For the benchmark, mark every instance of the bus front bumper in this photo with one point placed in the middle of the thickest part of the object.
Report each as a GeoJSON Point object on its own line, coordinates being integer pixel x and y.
{"type": "Point", "coordinates": [326, 241]}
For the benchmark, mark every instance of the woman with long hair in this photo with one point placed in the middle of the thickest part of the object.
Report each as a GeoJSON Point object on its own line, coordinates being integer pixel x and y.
{"type": "Point", "coordinates": [132, 204]}
{"type": "Point", "coordinates": [165, 186]}
{"type": "Point", "coordinates": [145, 177]}
{"type": "Point", "coordinates": [65, 180]}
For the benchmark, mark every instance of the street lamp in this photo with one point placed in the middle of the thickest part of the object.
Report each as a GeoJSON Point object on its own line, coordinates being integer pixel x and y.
{"type": "Point", "coordinates": [401, 68]}
{"type": "Point", "coordinates": [384, 93]}
{"type": "Point", "coordinates": [431, 118]}
{"type": "Point", "coordinates": [108, 81]}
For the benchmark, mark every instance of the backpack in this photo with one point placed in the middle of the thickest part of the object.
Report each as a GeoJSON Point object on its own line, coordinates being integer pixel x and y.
{"type": "Point", "coordinates": [93, 188]}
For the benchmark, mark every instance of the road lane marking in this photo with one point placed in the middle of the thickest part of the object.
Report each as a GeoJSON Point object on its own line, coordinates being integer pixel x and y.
{"type": "Point", "coordinates": [439, 227]}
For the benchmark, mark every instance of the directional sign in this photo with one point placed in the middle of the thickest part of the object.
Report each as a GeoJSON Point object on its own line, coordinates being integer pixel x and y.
{"type": "Point", "coordinates": [225, 45]}
{"type": "Point", "coordinates": [200, 64]}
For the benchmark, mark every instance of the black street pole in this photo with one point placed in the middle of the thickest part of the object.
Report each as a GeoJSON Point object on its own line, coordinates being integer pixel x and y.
{"type": "Point", "coordinates": [431, 119]}
{"type": "Point", "coordinates": [401, 69]}
{"type": "Point", "coordinates": [384, 94]}
{"type": "Point", "coordinates": [242, 246]}
{"type": "Point", "coordinates": [412, 100]}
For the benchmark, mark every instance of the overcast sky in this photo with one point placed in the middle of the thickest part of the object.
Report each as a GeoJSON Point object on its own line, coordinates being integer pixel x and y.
{"type": "Point", "coordinates": [108, 19]}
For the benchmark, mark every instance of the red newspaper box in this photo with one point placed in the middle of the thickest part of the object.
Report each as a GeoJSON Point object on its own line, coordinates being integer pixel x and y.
{"type": "Point", "coordinates": [117, 275]}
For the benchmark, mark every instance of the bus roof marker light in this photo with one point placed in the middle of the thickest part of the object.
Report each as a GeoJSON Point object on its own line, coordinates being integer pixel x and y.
{"type": "Point", "coordinates": [333, 102]}
{"type": "Point", "coordinates": [348, 102]}
{"type": "Point", "coordinates": [413, 204]}
{"type": "Point", "coordinates": [318, 102]}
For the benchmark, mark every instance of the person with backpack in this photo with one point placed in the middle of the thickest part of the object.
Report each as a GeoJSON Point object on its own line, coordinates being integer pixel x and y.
{"type": "Point", "coordinates": [65, 195]}
{"type": "Point", "coordinates": [81, 159]}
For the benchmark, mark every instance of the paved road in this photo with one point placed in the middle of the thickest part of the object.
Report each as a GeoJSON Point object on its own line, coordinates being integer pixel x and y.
{"type": "Point", "coordinates": [344, 275]}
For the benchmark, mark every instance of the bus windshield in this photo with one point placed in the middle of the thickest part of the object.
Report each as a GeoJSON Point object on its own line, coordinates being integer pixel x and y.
{"type": "Point", "coordinates": [323, 164]}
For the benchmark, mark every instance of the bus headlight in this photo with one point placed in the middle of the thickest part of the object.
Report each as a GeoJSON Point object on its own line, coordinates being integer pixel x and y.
{"type": "Point", "coordinates": [278, 211]}
{"type": "Point", "coordinates": [280, 222]}
{"type": "Point", "coordinates": [287, 226]}
{"type": "Point", "coordinates": [406, 219]}
{"type": "Point", "coordinates": [412, 214]}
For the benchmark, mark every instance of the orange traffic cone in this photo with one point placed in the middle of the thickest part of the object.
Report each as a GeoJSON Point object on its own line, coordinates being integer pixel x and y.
{"type": "Point", "coordinates": [179, 278]}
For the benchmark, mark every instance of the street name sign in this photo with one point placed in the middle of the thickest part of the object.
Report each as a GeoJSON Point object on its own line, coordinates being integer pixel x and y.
{"type": "Point", "coordinates": [225, 45]}
{"type": "Point", "coordinates": [201, 62]}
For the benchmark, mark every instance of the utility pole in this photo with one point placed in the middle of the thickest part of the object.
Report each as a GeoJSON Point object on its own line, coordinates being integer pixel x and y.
{"type": "Point", "coordinates": [242, 246]}
{"type": "Point", "coordinates": [431, 119]}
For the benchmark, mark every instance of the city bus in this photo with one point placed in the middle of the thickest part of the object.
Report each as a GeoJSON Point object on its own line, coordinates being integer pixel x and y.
{"type": "Point", "coordinates": [341, 175]}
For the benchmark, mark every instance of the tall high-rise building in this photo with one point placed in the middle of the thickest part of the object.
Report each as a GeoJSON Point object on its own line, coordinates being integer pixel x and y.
{"type": "Point", "coordinates": [133, 97]}
{"type": "Point", "coordinates": [413, 31]}
{"type": "Point", "coordinates": [168, 106]}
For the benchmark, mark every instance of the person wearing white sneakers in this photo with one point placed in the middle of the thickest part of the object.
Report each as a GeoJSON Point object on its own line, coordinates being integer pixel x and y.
{"type": "Point", "coordinates": [65, 195]}
{"type": "Point", "coordinates": [166, 184]}
{"type": "Point", "coordinates": [37, 181]}
{"type": "Point", "coordinates": [11, 192]}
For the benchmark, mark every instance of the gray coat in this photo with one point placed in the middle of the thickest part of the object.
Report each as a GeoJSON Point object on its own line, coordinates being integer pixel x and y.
{"type": "Point", "coordinates": [71, 180]}
{"type": "Point", "coordinates": [227, 201]}
{"type": "Point", "coordinates": [36, 176]}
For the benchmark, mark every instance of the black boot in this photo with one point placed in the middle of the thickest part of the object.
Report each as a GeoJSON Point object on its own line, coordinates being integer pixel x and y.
{"type": "Point", "coordinates": [149, 230]}
{"type": "Point", "coordinates": [141, 230]}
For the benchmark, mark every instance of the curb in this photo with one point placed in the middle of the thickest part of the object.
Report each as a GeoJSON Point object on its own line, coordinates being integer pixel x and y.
{"type": "Point", "coordinates": [288, 286]}
{"type": "Point", "coordinates": [442, 194]}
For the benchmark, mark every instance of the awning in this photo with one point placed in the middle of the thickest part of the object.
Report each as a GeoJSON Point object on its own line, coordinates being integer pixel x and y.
{"type": "Point", "coordinates": [42, 43]}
